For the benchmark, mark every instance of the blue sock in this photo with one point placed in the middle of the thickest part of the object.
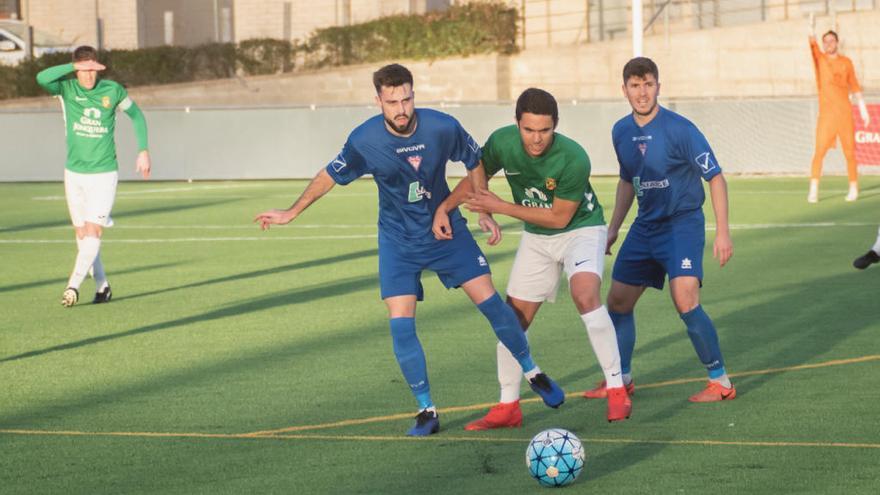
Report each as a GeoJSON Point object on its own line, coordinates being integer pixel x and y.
{"type": "Point", "coordinates": [508, 330]}
{"type": "Point", "coordinates": [625, 327]}
{"type": "Point", "coordinates": [705, 340]}
{"type": "Point", "coordinates": [411, 358]}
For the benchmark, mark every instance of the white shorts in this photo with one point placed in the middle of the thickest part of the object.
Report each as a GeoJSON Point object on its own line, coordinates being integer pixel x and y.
{"type": "Point", "coordinates": [540, 258]}
{"type": "Point", "coordinates": [90, 197]}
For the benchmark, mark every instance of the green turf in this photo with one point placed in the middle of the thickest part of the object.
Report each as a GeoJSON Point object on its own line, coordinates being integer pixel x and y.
{"type": "Point", "coordinates": [254, 331]}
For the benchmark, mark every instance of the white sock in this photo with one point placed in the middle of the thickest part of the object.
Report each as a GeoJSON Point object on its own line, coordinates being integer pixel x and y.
{"type": "Point", "coordinates": [97, 270]}
{"type": "Point", "coordinates": [531, 374]}
{"type": "Point", "coordinates": [85, 257]}
{"type": "Point", "coordinates": [603, 338]}
{"type": "Point", "coordinates": [724, 380]}
{"type": "Point", "coordinates": [509, 374]}
{"type": "Point", "coordinates": [876, 247]}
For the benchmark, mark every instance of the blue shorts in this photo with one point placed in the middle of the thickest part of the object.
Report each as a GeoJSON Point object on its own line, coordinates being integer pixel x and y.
{"type": "Point", "coordinates": [652, 251]}
{"type": "Point", "coordinates": [455, 262]}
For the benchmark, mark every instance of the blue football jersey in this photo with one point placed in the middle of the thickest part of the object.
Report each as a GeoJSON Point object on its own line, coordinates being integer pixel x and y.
{"type": "Point", "coordinates": [410, 172]}
{"type": "Point", "coordinates": [664, 161]}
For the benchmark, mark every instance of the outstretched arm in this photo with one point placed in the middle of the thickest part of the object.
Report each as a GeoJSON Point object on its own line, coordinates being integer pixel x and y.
{"type": "Point", "coordinates": [722, 250]}
{"type": "Point", "coordinates": [319, 186]}
{"type": "Point", "coordinates": [623, 200]}
{"type": "Point", "coordinates": [556, 217]}
{"type": "Point", "coordinates": [475, 180]}
{"type": "Point", "coordinates": [480, 183]}
{"type": "Point", "coordinates": [442, 228]}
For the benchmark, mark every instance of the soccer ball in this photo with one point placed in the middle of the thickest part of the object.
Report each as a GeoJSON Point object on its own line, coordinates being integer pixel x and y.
{"type": "Point", "coordinates": [555, 457]}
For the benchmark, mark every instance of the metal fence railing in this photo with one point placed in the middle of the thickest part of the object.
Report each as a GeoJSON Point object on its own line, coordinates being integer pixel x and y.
{"type": "Point", "coordinates": [568, 22]}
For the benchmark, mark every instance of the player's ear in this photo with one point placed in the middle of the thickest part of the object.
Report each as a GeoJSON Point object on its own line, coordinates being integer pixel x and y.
{"type": "Point", "coordinates": [378, 101]}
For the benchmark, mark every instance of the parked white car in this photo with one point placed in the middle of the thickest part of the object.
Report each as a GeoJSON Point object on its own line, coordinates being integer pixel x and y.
{"type": "Point", "coordinates": [12, 44]}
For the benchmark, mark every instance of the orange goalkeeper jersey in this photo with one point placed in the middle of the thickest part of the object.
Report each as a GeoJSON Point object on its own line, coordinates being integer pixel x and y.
{"type": "Point", "coordinates": [835, 79]}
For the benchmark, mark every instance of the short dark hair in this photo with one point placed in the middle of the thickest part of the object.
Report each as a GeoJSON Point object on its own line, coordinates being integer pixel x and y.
{"type": "Point", "coordinates": [392, 76]}
{"type": "Point", "coordinates": [832, 33]}
{"type": "Point", "coordinates": [85, 52]}
{"type": "Point", "coordinates": [538, 102]}
{"type": "Point", "coordinates": [640, 67]}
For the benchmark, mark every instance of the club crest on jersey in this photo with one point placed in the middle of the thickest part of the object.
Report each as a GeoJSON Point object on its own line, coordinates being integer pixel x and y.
{"type": "Point", "coordinates": [643, 147]}
{"type": "Point", "coordinates": [550, 183]}
{"type": "Point", "coordinates": [704, 160]}
{"type": "Point", "coordinates": [415, 161]}
{"type": "Point", "coordinates": [105, 101]}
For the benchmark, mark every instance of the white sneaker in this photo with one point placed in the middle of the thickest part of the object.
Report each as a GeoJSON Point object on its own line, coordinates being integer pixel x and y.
{"type": "Point", "coordinates": [853, 193]}
{"type": "Point", "coordinates": [813, 195]}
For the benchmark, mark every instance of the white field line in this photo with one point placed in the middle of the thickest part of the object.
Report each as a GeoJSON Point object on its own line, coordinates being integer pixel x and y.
{"type": "Point", "coordinates": [241, 226]}
{"type": "Point", "coordinates": [133, 197]}
{"type": "Point", "coordinates": [757, 226]}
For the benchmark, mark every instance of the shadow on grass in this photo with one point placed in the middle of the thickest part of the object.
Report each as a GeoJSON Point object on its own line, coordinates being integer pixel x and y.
{"type": "Point", "coordinates": [258, 273]}
{"type": "Point", "coordinates": [296, 296]}
{"type": "Point", "coordinates": [176, 208]}
{"type": "Point", "coordinates": [53, 281]}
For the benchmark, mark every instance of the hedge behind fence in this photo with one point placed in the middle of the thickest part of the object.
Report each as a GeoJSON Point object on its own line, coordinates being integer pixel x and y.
{"type": "Point", "coordinates": [461, 30]}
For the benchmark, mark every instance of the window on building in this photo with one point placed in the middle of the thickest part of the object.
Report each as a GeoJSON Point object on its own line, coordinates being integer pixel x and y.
{"type": "Point", "coordinates": [10, 9]}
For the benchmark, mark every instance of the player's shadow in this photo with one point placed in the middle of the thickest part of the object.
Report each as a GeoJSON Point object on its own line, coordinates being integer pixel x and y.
{"type": "Point", "coordinates": [296, 296]}
{"type": "Point", "coordinates": [783, 331]}
{"type": "Point", "coordinates": [365, 331]}
{"type": "Point", "coordinates": [257, 273]}
{"type": "Point", "coordinates": [53, 281]}
{"type": "Point", "coordinates": [117, 215]}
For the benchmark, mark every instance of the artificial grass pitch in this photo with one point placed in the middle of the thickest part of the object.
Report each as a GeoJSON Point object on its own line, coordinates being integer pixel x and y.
{"type": "Point", "coordinates": [233, 360]}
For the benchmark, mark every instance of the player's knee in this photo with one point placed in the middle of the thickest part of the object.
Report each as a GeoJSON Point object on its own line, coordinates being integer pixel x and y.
{"type": "Point", "coordinates": [686, 304]}
{"type": "Point", "coordinates": [586, 302]}
{"type": "Point", "coordinates": [618, 303]}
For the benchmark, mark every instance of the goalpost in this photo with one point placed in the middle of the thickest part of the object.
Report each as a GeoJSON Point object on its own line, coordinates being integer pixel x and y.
{"type": "Point", "coordinates": [637, 28]}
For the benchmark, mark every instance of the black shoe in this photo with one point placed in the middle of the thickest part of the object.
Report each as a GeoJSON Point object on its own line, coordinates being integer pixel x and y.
{"type": "Point", "coordinates": [427, 423]}
{"type": "Point", "coordinates": [103, 297]}
{"type": "Point", "coordinates": [866, 260]}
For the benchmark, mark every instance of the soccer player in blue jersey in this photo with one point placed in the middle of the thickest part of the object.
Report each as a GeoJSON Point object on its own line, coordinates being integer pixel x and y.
{"type": "Point", "coordinates": [406, 149]}
{"type": "Point", "coordinates": [663, 157]}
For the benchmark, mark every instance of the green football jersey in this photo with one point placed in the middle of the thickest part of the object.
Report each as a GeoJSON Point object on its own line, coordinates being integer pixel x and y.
{"type": "Point", "coordinates": [563, 171]}
{"type": "Point", "coordinates": [90, 118]}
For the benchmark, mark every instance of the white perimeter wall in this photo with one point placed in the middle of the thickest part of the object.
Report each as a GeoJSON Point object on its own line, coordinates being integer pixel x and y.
{"type": "Point", "coordinates": [772, 136]}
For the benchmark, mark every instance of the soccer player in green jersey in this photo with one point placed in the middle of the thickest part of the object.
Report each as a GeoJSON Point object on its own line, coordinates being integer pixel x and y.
{"type": "Point", "coordinates": [549, 176]}
{"type": "Point", "coordinates": [89, 106]}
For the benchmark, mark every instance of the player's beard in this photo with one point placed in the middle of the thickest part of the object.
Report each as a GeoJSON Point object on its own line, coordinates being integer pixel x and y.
{"type": "Point", "coordinates": [648, 112]}
{"type": "Point", "coordinates": [406, 129]}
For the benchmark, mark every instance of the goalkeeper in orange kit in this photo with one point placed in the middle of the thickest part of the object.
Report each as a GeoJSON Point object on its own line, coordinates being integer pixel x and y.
{"type": "Point", "coordinates": [836, 79]}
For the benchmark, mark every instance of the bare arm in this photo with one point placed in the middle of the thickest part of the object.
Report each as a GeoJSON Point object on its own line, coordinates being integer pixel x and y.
{"type": "Point", "coordinates": [623, 200]}
{"type": "Point", "coordinates": [556, 217]}
{"type": "Point", "coordinates": [723, 247]}
{"type": "Point", "coordinates": [476, 180]}
{"type": "Point", "coordinates": [319, 186]}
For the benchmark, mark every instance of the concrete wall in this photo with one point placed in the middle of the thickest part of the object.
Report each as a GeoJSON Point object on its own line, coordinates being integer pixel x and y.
{"type": "Point", "coordinates": [266, 18]}
{"type": "Point", "coordinates": [76, 21]}
{"type": "Point", "coordinates": [748, 136]}
{"type": "Point", "coordinates": [759, 60]}
{"type": "Point", "coordinates": [194, 21]}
